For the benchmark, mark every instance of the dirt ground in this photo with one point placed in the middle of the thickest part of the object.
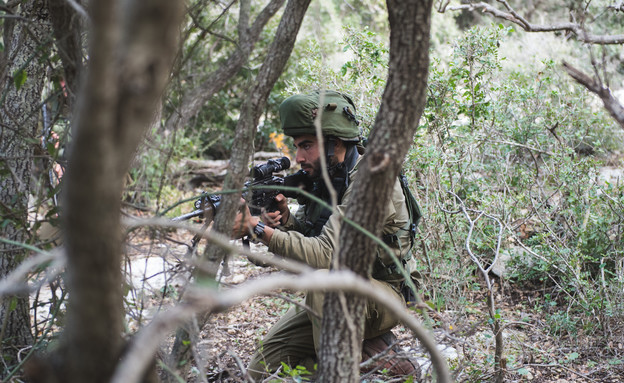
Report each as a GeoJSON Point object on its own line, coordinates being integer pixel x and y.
{"type": "Point", "coordinates": [465, 337]}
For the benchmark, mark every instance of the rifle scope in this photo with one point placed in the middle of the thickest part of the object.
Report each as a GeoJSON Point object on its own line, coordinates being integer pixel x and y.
{"type": "Point", "coordinates": [272, 166]}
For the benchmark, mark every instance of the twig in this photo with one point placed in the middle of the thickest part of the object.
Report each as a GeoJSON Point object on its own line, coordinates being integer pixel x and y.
{"type": "Point", "coordinates": [79, 9]}
{"type": "Point", "coordinates": [221, 240]}
{"type": "Point", "coordinates": [241, 366]}
{"type": "Point", "coordinates": [594, 85]}
{"type": "Point", "coordinates": [147, 341]}
{"type": "Point", "coordinates": [14, 283]}
{"type": "Point", "coordinates": [514, 17]}
{"type": "Point", "coordinates": [530, 148]}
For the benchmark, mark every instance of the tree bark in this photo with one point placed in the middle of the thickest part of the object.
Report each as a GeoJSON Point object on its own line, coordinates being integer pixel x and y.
{"type": "Point", "coordinates": [242, 147]}
{"type": "Point", "coordinates": [131, 52]}
{"type": "Point", "coordinates": [193, 101]}
{"type": "Point", "coordinates": [251, 110]}
{"type": "Point", "coordinates": [402, 106]}
{"type": "Point", "coordinates": [19, 111]}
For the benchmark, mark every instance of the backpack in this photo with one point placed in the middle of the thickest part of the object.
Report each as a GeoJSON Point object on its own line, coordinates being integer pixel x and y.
{"type": "Point", "coordinates": [388, 270]}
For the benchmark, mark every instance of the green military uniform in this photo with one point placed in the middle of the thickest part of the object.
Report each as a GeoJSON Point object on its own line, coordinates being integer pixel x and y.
{"type": "Point", "coordinates": [294, 339]}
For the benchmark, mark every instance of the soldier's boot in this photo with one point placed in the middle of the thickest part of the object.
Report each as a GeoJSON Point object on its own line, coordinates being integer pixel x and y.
{"type": "Point", "coordinates": [394, 364]}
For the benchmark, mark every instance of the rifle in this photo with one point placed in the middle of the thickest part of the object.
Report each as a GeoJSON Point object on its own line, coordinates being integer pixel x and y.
{"type": "Point", "coordinates": [261, 198]}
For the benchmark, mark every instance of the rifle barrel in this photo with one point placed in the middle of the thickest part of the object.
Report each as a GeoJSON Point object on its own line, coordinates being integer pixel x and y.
{"type": "Point", "coordinates": [190, 215]}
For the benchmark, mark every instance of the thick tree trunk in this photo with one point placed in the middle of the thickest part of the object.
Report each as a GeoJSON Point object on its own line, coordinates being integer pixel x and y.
{"type": "Point", "coordinates": [402, 105]}
{"type": "Point", "coordinates": [19, 115]}
{"type": "Point", "coordinates": [131, 51]}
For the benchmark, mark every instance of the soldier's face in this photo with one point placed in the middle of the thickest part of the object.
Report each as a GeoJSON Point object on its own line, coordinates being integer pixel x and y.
{"type": "Point", "coordinates": [308, 154]}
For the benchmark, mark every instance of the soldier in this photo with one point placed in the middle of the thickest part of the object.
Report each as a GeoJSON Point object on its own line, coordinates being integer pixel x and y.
{"type": "Point", "coordinates": [308, 235]}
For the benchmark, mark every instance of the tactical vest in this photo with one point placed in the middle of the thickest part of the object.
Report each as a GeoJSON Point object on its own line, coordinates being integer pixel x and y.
{"type": "Point", "coordinates": [316, 216]}
{"type": "Point", "coordinates": [384, 267]}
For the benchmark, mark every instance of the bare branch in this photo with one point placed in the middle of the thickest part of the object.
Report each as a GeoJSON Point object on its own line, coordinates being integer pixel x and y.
{"type": "Point", "coordinates": [79, 9]}
{"type": "Point", "coordinates": [530, 148]}
{"type": "Point", "coordinates": [484, 270]}
{"type": "Point", "coordinates": [222, 241]}
{"type": "Point", "coordinates": [148, 340]}
{"type": "Point", "coordinates": [594, 85]}
{"type": "Point", "coordinates": [511, 15]}
{"type": "Point", "coordinates": [15, 282]}
{"type": "Point", "coordinates": [194, 100]}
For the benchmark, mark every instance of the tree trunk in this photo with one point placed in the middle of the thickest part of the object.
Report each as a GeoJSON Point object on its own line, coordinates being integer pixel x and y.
{"type": "Point", "coordinates": [130, 56]}
{"type": "Point", "coordinates": [251, 110]}
{"type": "Point", "coordinates": [402, 105]}
{"type": "Point", "coordinates": [193, 101]}
{"type": "Point", "coordinates": [242, 147]}
{"type": "Point", "coordinates": [19, 111]}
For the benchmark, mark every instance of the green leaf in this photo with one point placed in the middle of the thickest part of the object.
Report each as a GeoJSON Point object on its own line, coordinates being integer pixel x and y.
{"type": "Point", "coordinates": [52, 150]}
{"type": "Point", "coordinates": [19, 78]}
{"type": "Point", "coordinates": [572, 355]}
{"type": "Point", "coordinates": [13, 304]}
{"type": "Point", "coordinates": [523, 371]}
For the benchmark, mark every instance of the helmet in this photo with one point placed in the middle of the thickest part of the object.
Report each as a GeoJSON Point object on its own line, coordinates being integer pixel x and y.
{"type": "Point", "coordinates": [297, 114]}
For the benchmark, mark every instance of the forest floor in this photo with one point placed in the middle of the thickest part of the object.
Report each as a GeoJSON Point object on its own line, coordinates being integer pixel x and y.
{"type": "Point", "coordinates": [532, 352]}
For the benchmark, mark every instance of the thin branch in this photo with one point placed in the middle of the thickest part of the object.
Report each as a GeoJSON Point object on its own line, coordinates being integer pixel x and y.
{"type": "Point", "coordinates": [15, 282]}
{"type": "Point", "coordinates": [194, 100]}
{"type": "Point", "coordinates": [79, 9]}
{"type": "Point", "coordinates": [512, 16]}
{"type": "Point", "coordinates": [148, 340]}
{"type": "Point", "coordinates": [529, 148]}
{"type": "Point", "coordinates": [594, 85]}
{"type": "Point", "coordinates": [221, 240]}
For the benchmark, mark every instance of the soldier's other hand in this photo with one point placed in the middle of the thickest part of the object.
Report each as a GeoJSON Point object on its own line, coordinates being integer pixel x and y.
{"type": "Point", "coordinates": [279, 216]}
{"type": "Point", "coordinates": [272, 219]}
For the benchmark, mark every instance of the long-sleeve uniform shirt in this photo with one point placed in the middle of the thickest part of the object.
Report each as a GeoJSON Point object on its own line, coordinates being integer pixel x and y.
{"type": "Point", "coordinates": [291, 240]}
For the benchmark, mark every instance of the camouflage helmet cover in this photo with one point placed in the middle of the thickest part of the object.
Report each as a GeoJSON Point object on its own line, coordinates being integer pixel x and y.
{"type": "Point", "coordinates": [297, 114]}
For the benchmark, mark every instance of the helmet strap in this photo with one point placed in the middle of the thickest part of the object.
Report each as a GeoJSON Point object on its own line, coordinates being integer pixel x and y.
{"type": "Point", "coordinates": [330, 146]}
{"type": "Point", "coordinates": [339, 172]}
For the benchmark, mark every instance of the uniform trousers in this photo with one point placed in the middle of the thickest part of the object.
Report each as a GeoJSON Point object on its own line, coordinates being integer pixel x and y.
{"type": "Point", "coordinates": [295, 337]}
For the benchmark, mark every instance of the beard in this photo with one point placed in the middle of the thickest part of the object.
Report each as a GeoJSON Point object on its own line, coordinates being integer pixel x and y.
{"type": "Point", "coordinates": [312, 169]}
{"type": "Point", "coordinates": [315, 170]}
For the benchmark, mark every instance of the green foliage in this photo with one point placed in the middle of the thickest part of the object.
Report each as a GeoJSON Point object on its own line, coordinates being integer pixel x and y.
{"type": "Point", "coordinates": [369, 57]}
{"type": "Point", "coordinates": [19, 78]}
{"type": "Point", "coordinates": [151, 179]}
{"type": "Point", "coordinates": [169, 291]}
{"type": "Point", "coordinates": [359, 70]}
{"type": "Point", "coordinates": [212, 129]}
{"type": "Point", "coordinates": [560, 323]}
{"type": "Point", "coordinates": [297, 373]}
{"type": "Point", "coordinates": [525, 147]}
